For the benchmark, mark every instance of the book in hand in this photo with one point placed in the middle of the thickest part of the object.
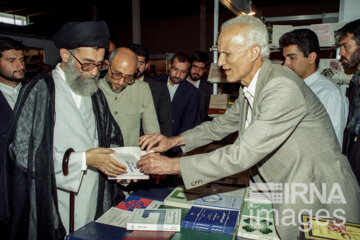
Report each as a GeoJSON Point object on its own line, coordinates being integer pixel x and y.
{"type": "Point", "coordinates": [129, 156]}
{"type": "Point", "coordinates": [132, 202]}
{"type": "Point", "coordinates": [327, 228]}
{"type": "Point", "coordinates": [155, 220]}
{"type": "Point", "coordinates": [213, 220]}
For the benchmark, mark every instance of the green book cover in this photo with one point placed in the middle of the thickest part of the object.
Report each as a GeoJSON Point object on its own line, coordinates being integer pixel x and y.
{"type": "Point", "coordinates": [263, 210]}
{"type": "Point", "coordinates": [179, 198]}
{"type": "Point", "coordinates": [257, 221]}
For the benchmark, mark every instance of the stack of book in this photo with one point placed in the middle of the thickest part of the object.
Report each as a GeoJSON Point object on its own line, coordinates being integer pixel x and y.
{"type": "Point", "coordinates": [257, 217]}
{"type": "Point", "coordinates": [214, 213]}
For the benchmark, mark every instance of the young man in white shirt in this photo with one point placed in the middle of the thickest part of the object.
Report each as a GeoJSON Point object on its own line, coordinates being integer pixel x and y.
{"type": "Point", "coordinates": [301, 52]}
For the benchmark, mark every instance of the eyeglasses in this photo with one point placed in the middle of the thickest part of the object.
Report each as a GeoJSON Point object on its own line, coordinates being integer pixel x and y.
{"type": "Point", "coordinates": [86, 67]}
{"type": "Point", "coordinates": [129, 79]}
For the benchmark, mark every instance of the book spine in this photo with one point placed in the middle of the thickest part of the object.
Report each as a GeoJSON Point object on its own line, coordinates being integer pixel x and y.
{"type": "Point", "coordinates": [153, 227]}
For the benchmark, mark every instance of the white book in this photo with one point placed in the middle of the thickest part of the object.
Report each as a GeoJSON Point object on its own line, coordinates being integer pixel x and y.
{"type": "Point", "coordinates": [155, 220]}
{"type": "Point", "coordinates": [129, 156]}
{"type": "Point", "coordinates": [115, 217]}
{"type": "Point", "coordinates": [220, 201]}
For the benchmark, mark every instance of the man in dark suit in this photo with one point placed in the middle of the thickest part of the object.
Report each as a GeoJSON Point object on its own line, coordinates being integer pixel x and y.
{"type": "Point", "coordinates": [159, 91]}
{"type": "Point", "coordinates": [12, 72]}
{"type": "Point", "coordinates": [349, 43]}
{"type": "Point", "coordinates": [199, 61]}
{"type": "Point", "coordinates": [184, 96]}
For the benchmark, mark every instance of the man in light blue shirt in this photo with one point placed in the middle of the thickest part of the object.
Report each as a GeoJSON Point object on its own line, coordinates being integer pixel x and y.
{"type": "Point", "coordinates": [301, 52]}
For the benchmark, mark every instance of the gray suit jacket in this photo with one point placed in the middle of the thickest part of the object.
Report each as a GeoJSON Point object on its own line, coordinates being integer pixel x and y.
{"type": "Point", "coordinates": [289, 140]}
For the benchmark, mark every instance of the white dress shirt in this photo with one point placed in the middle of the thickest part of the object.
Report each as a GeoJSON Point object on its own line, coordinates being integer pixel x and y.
{"type": "Point", "coordinates": [10, 93]}
{"type": "Point", "coordinates": [333, 99]}
{"type": "Point", "coordinates": [172, 89]}
{"type": "Point", "coordinates": [249, 93]}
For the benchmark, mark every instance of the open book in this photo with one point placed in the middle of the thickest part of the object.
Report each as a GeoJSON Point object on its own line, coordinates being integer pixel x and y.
{"type": "Point", "coordinates": [129, 156]}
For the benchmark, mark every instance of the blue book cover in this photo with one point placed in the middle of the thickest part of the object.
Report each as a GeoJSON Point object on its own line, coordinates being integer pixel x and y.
{"type": "Point", "coordinates": [213, 220]}
{"type": "Point", "coordinates": [158, 194]}
{"type": "Point", "coordinates": [98, 231]}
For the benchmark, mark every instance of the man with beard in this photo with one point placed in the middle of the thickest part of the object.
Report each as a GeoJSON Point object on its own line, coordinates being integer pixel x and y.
{"type": "Point", "coordinates": [199, 61]}
{"type": "Point", "coordinates": [184, 96]}
{"type": "Point", "coordinates": [301, 51]}
{"type": "Point", "coordinates": [348, 39]}
{"type": "Point", "coordinates": [12, 72]}
{"type": "Point", "coordinates": [130, 101]}
{"type": "Point", "coordinates": [159, 91]}
{"type": "Point", "coordinates": [58, 142]}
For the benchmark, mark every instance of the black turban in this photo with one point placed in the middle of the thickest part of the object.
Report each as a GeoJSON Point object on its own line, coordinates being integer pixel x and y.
{"type": "Point", "coordinates": [82, 34]}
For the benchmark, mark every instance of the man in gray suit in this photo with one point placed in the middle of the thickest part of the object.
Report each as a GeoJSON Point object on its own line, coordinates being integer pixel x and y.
{"type": "Point", "coordinates": [284, 136]}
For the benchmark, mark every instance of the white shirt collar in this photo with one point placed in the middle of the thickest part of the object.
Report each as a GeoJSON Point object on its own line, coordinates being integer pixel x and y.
{"type": "Point", "coordinates": [249, 92]}
{"type": "Point", "coordinates": [172, 89]}
{"type": "Point", "coordinates": [312, 78]}
{"type": "Point", "coordinates": [58, 73]}
{"type": "Point", "coordinates": [11, 94]}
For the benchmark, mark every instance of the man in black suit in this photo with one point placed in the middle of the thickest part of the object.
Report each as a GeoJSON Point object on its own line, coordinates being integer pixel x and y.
{"type": "Point", "coordinates": [199, 62]}
{"type": "Point", "coordinates": [12, 72]}
{"type": "Point", "coordinates": [159, 91]}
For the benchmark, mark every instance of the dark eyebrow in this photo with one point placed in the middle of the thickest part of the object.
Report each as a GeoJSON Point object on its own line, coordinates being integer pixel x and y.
{"type": "Point", "coordinates": [290, 54]}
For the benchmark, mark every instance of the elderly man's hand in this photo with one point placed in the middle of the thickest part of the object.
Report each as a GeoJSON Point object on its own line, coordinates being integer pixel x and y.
{"type": "Point", "coordinates": [159, 143]}
{"type": "Point", "coordinates": [153, 163]}
{"type": "Point", "coordinates": [99, 158]}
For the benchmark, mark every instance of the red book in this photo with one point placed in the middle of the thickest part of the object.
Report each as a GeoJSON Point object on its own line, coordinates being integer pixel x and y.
{"type": "Point", "coordinates": [132, 202]}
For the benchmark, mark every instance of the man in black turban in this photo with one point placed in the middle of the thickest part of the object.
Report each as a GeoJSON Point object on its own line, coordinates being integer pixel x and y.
{"type": "Point", "coordinates": [49, 155]}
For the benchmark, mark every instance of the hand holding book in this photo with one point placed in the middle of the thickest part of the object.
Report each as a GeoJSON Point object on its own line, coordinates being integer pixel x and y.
{"type": "Point", "coordinates": [153, 163]}
{"type": "Point", "coordinates": [159, 143]}
{"type": "Point", "coordinates": [128, 156]}
{"type": "Point", "coordinates": [101, 159]}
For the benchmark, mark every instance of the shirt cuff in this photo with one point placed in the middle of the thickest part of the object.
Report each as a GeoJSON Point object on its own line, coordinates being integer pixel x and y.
{"type": "Point", "coordinates": [83, 161]}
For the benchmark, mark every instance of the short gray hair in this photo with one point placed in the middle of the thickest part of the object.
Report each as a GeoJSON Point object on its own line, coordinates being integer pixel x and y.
{"type": "Point", "coordinates": [256, 34]}
{"type": "Point", "coordinates": [112, 54]}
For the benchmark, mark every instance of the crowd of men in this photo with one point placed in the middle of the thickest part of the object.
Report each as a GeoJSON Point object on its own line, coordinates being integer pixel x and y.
{"type": "Point", "coordinates": [293, 124]}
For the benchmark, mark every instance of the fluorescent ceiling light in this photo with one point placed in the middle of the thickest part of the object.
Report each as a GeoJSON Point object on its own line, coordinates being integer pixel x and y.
{"type": "Point", "coordinates": [13, 19]}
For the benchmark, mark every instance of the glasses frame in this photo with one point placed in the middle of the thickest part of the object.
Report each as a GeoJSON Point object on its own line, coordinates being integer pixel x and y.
{"type": "Point", "coordinates": [125, 77]}
{"type": "Point", "coordinates": [102, 66]}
